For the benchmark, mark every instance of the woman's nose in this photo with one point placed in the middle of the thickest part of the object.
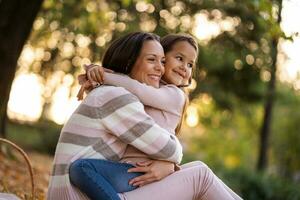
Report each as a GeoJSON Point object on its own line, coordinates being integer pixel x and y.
{"type": "Point", "coordinates": [159, 66]}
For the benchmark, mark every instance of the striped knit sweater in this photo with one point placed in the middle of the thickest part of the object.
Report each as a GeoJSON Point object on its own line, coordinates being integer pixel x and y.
{"type": "Point", "coordinates": [102, 126]}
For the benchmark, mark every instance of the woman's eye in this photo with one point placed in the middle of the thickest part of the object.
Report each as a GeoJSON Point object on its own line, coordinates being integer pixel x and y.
{"type": "Point", "coordinates": [163, 62]}
{"type": "Point", "coordinates": [151, 59]}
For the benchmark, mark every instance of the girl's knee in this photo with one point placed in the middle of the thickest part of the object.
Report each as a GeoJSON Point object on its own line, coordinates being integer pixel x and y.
{"type": "Point", "coordinates": [76, 166]}
{"type": "Point", "coordinates": [77, 170]}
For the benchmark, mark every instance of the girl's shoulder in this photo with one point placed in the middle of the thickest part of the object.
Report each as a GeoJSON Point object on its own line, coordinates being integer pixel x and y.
{"type": "Point", "coordinates": [173, 90]}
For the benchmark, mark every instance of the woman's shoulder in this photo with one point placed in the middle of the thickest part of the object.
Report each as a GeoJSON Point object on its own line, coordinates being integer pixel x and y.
{"type": "Point", "coordinates": [108, 93]}
{"type": "Point", "coordinates": [109, 89]}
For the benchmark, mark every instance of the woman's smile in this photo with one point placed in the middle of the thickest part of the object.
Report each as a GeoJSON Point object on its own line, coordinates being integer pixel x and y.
{"type": "Point", "coordinates": [155, 77]}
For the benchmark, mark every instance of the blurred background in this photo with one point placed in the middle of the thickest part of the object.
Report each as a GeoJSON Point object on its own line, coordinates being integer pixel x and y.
{"type": "Point", "coordinates": [244, 116]}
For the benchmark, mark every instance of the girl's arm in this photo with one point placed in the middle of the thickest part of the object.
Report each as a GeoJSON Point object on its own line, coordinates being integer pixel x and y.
{"type": "Point", "coordinates": [128, 121]}
{"type": "Point", "coordinates": [168, 97]}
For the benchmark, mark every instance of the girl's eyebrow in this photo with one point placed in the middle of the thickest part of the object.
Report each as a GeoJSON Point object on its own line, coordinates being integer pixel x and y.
{"type": "Point", "coordinates": [185, 57]}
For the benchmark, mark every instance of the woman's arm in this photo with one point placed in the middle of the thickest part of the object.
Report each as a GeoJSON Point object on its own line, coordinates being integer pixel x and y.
{"type": "Point", "coordinates": [168, 98]}
{"type": "Point", "coordinates": [127, 120]}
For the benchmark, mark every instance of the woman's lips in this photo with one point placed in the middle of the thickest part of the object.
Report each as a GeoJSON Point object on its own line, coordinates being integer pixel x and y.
{"type": "Point", "coordinates": [154, 77]}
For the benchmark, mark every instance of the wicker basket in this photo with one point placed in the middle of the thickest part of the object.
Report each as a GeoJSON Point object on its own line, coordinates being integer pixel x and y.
{"type": "Point", "coordinates": [2, 140]}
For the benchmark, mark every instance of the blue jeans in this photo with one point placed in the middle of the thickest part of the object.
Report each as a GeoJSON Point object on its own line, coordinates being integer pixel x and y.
{"type": "Point", "coordinates": [102, 179]}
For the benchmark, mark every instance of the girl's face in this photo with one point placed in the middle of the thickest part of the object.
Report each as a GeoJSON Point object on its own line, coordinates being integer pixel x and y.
{"type": "Point", "coordinates": [149, 66]}
{"type": "Point", "coordinates": [179, 63]}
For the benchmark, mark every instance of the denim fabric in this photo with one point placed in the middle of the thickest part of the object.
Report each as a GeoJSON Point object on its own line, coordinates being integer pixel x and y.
{"type": "Point", "coordinates": [102, 179]}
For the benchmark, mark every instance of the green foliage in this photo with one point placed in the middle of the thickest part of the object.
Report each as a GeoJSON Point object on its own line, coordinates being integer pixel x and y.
{"type": "Point", "coordinates": [224, 137]}
{"type": "Point", "coordinates": [233, 62]}
{"type": "Point", "coordinates": [230, 65]}
{"type": "Point", "coordinates": [227, 141]}
{"type": "Point", "coordinates": [259, 186]}
{"type": "Point", "coordinates": [41, 136]}
{"type": "Point", "coordinates": [286, 135]}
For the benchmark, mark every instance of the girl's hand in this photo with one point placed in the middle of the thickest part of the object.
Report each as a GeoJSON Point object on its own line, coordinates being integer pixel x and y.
{"type": "Point", "coordinates": [95, 73]}
{"type": "Point", "coordinates": [155, 170]}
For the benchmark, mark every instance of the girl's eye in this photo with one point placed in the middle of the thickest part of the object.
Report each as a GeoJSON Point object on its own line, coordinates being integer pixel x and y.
{"type": "Point", "coordinates": [190, 65]}
{"type": "Point", "coordinates": [163, 62]}
{"type": "Point", "coordinates": [179, 58]}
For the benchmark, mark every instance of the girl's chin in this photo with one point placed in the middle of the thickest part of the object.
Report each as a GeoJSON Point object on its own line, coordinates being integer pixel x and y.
{"type": "Point", "coordinates": [176, 82]}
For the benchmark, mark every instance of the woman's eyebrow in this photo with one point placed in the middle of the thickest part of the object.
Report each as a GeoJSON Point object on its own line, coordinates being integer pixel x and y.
{"type": "Point", "coordinates": [150, 54]}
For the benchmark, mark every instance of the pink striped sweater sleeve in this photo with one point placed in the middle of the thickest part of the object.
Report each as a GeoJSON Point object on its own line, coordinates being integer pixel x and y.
{"type": "Point", "coordinates": [167, 98]}
{"type": "Point", "coordinates": [132, 125]}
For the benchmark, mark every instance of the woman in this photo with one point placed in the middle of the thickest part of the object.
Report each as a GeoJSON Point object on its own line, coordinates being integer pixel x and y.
{"type": "Point", "coordinates": [108, 120]}
{"type": "Point", "coordinates": [181, 53]}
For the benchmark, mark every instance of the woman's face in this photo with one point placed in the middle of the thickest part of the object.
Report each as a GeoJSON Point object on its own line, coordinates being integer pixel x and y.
{"type": "Point", "coordinates": [149, 66]}
{"type": "Point", "coordinates": [179, 63]}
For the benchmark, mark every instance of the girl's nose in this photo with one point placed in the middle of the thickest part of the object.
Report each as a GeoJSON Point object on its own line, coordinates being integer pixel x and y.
{"type": "Point", "coordinates": [184, 67]}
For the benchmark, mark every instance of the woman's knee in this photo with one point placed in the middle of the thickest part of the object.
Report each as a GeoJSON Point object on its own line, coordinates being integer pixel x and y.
{"type": "Point", "coordinates": [201, 170]}
{"type": "Point", "coordinates": [200, 163]}
{"type": "Point", "coordinates": [194, 164]}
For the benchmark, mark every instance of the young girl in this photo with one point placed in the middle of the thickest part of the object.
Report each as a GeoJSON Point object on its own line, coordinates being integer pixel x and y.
{"type": "Point", "coordinates": [165, 103]}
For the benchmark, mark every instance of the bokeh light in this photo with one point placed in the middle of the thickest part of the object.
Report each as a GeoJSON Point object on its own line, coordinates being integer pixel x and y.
{"type": "Point", "coordinates": [25, 102]}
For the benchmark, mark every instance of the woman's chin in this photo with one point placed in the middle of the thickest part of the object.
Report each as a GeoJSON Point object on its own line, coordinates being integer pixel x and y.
{"type": "Point", "coordinates": [153, 83]}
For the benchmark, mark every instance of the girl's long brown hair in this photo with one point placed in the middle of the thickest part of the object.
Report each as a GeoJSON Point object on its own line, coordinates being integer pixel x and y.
{"type": "Point", "coordinates": [179, 126]}
{"type": "Point", "coordinates": [167, 43]}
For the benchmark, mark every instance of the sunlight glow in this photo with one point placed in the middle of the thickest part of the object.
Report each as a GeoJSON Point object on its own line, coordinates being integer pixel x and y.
{"type": "Point", "coordinates": [25, 102]}
{"type": "Point", "coordinates": [192, 118]}
{"type": "Point", "coordinates": [290, 16]}
{"type": "Point", "coordinates": [62, 106]}
{"type": "Point", "coordinates": [289, 69]}
{"type": "Point", "coordinates": [206, 29]}
{"type": "Point", "coordinates": [27, 56]}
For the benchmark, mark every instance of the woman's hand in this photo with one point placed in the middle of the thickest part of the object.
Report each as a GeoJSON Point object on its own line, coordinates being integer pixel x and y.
{"type": "Point", "coordinates": [155, 170]}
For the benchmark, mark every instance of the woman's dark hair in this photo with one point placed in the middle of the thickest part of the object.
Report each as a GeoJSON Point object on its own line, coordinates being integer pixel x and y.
{"type": "Point", "coordinates": [123, 52]}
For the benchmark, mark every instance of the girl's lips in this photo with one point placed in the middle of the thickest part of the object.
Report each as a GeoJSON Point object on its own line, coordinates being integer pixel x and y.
{"type": "Point", "coordinates": [179, 74]}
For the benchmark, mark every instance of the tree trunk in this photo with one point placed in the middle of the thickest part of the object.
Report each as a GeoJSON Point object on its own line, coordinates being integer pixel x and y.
{"type": "Point", "coordinates": [265, 129]}
{"type": "Point", "coordinates": [16, 20]}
